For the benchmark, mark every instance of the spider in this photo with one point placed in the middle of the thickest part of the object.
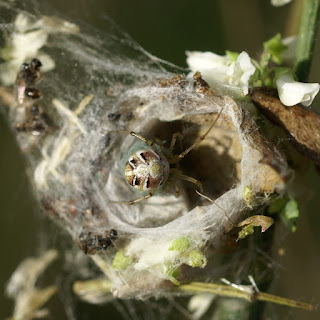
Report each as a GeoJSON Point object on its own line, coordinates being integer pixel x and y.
{"type": "Point", "coordinates": [150, 168]}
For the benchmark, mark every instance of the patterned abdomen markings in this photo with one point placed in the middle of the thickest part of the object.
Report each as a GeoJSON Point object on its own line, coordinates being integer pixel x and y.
{"type": "Point", "coordinates": [147, 170]}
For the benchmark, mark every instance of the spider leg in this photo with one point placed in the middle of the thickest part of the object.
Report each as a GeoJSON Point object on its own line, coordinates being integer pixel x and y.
{"type": "Point", "coordinates": [170, 184]}
{"type": "Point", "coordinates": [147, 196]}
{"type": "Point", "coordinates": [173, 142]}
{"type": "Point", "coordinates": [160, 144]}
{"type": "Point", "coordinates": [138, 136]}
{"type": "Point", "coordinates": [178, 174]}
{"type": "Point", "coordinates": [177, 191]}
{"type": "Point", "coordinates": [177, 158]}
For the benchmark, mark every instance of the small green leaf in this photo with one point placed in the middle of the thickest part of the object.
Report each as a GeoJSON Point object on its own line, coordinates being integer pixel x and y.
{"type": "Point", "coordinates": [288, 210]}
{"type": "Point", "coordinates": [277, 205]}
{"type": "Point", "coordinates": [180, 244]}
{"type": "Point", "coordinates": [291, 210]}
{"type": "Point", "coordinates": [245, 231]}
{"type": "Point", "coordinates": [289, 214]}
{"type": "Point", "coordinates": [195, 259]}
{"type": "Point", "coordinates": [248, 195]}
{"type": "Point", "coordinates": [120, 261]}
{"type": "Point", "coordinates": [275, 48]}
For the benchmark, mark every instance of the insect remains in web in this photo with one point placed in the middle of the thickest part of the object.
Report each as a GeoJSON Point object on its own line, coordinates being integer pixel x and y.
{"type": "Point", "coordinates": [27, 77]}
{"type": "Point", "coordinates": [152, 167]}
{"type": "Point", "coordinates": [90, 242]}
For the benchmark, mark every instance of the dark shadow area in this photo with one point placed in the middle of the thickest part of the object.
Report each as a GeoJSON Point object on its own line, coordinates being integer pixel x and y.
{"type": "Point", "coordinates": [215, 170]}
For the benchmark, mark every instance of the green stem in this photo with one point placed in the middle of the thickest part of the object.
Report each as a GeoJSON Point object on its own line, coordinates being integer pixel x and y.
{"type": "Point", "coordinates": [246, 293]}
{"type": "Point", "coordinates": [306, 39]}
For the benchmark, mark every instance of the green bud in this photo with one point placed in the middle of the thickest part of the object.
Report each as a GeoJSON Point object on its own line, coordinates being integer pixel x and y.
{"type": "Point", "coordinates": [248, 195]}
{"type": "Point", "coordinates": [289, 214]}
{"type": "Point", "coordinates": [275, 48]}
{"type": "Point", "coordinates": [180, 244]}
{"type": "Point", "coordinates": [120, 261]}
{"type": "Point", "coordinates": [196, 258]}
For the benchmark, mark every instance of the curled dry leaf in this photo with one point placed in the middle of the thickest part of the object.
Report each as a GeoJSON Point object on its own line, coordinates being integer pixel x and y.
{"type": "Point", "coordinates": [264, 222]}
{"type": "Point", "coordinates": [302, 126]}
{"type": "Point", "coordinates": [247, 225]}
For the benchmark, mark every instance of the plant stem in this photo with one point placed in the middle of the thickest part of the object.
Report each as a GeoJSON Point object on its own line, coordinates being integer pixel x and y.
{"type": "Point", "coordinates": [242, 292]}
{"type": "Point", "coordinates": [306, 39]}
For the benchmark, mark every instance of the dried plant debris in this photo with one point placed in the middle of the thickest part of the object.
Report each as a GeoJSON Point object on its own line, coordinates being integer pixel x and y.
{"type": "Point", "coordinates": [30, 119]}
{"type": "Point", "coordinates": [91, 243]}
{"type": "Point", "coordinates": [134, 102]}
{"type": "Point", "coordinates": [95, 291]}
{"type": "Point", "coordinates": [29, 299]}
{"type": "Point", "coordinates": [247, 225]}
{"type": "Point", "coordinates": [28, 36]}
{"type": "Point", "coordinates": [27, 77]}
{"type": "Point", "coordinates": [302, 125]}
{"type": "Point", "coordinates": [201, 85]}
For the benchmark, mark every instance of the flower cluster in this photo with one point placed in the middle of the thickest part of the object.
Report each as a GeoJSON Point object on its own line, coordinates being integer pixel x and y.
{"type": "Point", "coordinates": [214, 68]}
{"type": "Point", "coordinates": [240, 71]}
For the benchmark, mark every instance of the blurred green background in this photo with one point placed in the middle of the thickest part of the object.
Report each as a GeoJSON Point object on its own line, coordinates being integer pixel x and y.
{"type": "Point", "coordinates": [166, 29]}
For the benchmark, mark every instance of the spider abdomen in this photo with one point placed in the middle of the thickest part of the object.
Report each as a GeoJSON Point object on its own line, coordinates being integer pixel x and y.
{"type": "Point", "coordinates": [147, 170]}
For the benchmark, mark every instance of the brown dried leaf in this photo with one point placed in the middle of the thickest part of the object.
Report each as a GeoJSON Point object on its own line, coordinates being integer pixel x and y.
{"type": "Point", "coordinates": [303, 126]}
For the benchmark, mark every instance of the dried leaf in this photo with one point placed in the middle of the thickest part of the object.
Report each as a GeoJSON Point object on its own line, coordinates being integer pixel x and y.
{"type": "Point", "coordinates": [248, 225]}
{"type": "Point", "coordinates": [303, 126]}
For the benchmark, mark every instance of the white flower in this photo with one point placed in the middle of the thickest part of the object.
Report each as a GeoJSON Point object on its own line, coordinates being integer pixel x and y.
{"type": "Point", "coordinates": [241, 71]}
{"type": "Point", "coordinates": [215, 68]}
{"type": "Point", "coordinates": [279, 3]}
{"type": "Point", "coordinates": [292, 92]}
